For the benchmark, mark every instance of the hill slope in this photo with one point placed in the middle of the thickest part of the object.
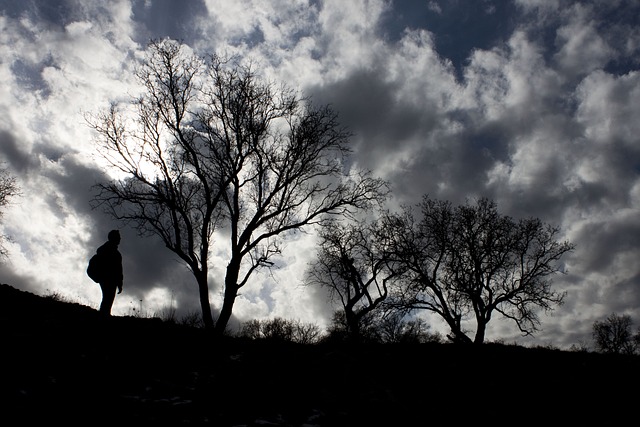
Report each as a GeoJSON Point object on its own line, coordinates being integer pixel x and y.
{"type": "Point", "coordinates": [61, 362]}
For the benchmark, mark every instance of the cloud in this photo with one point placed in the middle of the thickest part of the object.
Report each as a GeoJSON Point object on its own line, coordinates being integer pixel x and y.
{"type": "Point", "coordinates": [11, 153]}
{"type": "Point", "coordinates": [167, 18]}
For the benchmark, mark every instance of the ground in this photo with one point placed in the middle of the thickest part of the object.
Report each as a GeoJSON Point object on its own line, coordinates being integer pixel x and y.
{"type": "Point", "coordinates": [62, 362]}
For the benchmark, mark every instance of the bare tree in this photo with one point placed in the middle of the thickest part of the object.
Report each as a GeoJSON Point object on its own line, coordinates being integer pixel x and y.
{"type": "Point", "coordinates": [9, 189]}
{"type": "Point", "coordinates": [395, 328]}
{"type": "Point", "coordinates": [470, 262]}
{"type": "Point", "coordinates": [211, 147]}
{"type": "Point", "coordinates": [352, 264]}
{"type": "Point", "coordinates": [280, 329]}
{"type": "Point", "coordinates": [613, 335]}
{"type": "Point", "coordinates": [307, 333]}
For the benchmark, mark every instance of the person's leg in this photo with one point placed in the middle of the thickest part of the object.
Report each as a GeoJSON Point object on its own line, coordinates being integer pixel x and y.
{"type": "Point", "coordinates": [108, 295]}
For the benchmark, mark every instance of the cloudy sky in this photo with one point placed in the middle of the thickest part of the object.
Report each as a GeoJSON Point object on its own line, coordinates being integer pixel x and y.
{"type": "Point", "coordinates": [533, 103]}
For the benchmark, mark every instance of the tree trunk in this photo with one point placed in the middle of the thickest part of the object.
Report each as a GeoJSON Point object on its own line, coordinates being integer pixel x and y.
{"type": "Point", "coordinates": [480, 332]}
{"type": "Point", "coordinates": [225, 312]}
{"type": "Point", "coordinates": [454, 322]}
{"type": "Point", "coordinates": [230, 292]}
{"type": "Point", "coordinates": [457, 336]}
{"type": "Point", "coordinates": [353, 325]}
{"type": "Point", "coordinates": [203, 289]}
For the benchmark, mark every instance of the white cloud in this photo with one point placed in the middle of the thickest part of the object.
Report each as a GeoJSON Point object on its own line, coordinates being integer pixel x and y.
{"type": "Point", "coordinates": [434, 7]}
{"type": "Point", "coordinates": [608, 107]}
{"type": "Point", "coordinates": [583, 48]}
{"type": "Point", "coordinates": [349, 31]}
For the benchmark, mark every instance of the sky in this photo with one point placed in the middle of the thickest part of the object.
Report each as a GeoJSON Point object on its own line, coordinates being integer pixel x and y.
{"type": "Point", "coordinates": [532, 103]}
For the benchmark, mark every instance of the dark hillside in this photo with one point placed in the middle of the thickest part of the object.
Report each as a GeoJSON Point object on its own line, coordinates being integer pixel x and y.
{"type": "Point", "coordinates": [62, 363]}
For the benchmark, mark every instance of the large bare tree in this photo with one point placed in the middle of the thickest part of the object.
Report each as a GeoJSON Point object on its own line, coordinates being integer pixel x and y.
{"type": "Point", "coordinates": [211, 147]}
{"type": "Point", "coordinates": [470, 262]}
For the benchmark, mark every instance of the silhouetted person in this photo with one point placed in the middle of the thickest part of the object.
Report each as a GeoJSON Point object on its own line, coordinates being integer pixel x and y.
{"type": "Point", "coordinates": [112, 277]}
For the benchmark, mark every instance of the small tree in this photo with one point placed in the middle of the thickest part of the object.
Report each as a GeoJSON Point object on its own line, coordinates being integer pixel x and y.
{"type": "Point", "coordinates": [613, 335]}
{"type": "Point", "coordinates": [307, 333]}
{"type": "Point", "coordinates": [278, 329]}
{"type": "Point", "coordinates": [251, 329]}
{"type": "Point", "coordinates": [212, 147]}
{"type": "Point", "coordinates": [8, 190]}
{"type": "Point", "coordinates": [351, 264]}
{"type": "Point", "coordinates": [470, 262]}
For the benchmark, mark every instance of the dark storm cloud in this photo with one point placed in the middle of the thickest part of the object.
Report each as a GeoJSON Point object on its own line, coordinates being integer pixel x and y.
{"type": "Point", "coordinates": [29, 76]}
{"type": "Point", "coordinates": [168, 18]}
{"type": "Point", "coordinates": [366, 104]}
{"type": "Point", "coordinates": [10, 151]}
{"type": "Point", "coordinates": [75, 181]}
{"type": "Point", "coordinates": [51, 11]}
{"type": "Point", "coordinates": [601, 242]}
{"type": "Point", "coordinates": [624, 297]}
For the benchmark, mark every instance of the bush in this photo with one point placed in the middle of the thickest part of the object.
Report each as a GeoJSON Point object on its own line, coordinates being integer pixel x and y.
{"type": "Point", "coordinates": [279, 329]}
{"type": "Point", "coordinates": [613, 335]}
{"type": "Point", "coordinates": [392, 328]}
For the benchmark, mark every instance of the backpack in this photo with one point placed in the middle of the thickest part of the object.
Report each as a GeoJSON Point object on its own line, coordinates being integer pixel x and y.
{"type": "Point", "coordinates": [94, 269]}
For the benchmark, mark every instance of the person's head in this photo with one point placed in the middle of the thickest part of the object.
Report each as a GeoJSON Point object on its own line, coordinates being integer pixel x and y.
{"type": "Point", "coordinates": [114, 236]}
